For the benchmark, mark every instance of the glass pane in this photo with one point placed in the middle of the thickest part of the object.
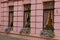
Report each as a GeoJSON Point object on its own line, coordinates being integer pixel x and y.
{"type": "Point", "coordinates": [27, 19]}
{"type": "Point", "coordinates": [11, 8]}
{"type": "Point", "coordinates": [48, 18]}
{"type": "Point", "coordinates": [48, 5]}
{"type": "Point", "coordinates": [10, 19]}
{"type": "Point", "coordinates": [27, 7]}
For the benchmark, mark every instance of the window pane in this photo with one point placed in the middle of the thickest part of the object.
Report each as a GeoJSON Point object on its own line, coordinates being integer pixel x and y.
{"type": "Point", "coordinates": [27, 7]}
{"type": "Point", "coordinates": [48, 16]}
{"type": "Point", "coordinates": [27, 19]}
{"type": "Point", "coordinates": [11, 8]}
{"type": "Point", "coordinates": [48, 5]}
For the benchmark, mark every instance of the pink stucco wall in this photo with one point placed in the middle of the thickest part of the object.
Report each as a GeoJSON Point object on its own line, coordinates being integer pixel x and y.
{"type": "Point", "coordinates": [0, 11]}
{"type": "Point", "coordinates": [36, 16]}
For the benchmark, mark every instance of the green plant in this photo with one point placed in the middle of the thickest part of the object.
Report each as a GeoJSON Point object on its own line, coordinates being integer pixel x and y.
{"type": "Point", "coordinates": [25, 30]}
{"type": "Point", "coordinates": [50, 30]}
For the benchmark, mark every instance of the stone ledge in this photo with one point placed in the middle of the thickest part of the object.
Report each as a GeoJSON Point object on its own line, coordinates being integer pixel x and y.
{"type": "Point", "coordinates": [28, 36]}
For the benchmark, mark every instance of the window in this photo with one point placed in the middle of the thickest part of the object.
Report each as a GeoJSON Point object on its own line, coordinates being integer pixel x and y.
{"type": "Point", "coordinates": [27, 15]}
{"type": "Point", "coordinates": [10, 23]}
{"type": "Point", "coordinates": [48, 15]}
{"type": "Point", "coordinates": [26, 25]}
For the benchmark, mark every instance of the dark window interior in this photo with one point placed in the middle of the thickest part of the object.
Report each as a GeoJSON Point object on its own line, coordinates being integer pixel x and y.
{"type": "Point", "coordinates": [27, 8]}
{"type": "Point", "coordinates": [11, 11]}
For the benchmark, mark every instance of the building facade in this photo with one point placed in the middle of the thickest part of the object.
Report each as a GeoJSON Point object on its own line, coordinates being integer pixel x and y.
{"type": "Point", "coordinates": [29, 16]}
